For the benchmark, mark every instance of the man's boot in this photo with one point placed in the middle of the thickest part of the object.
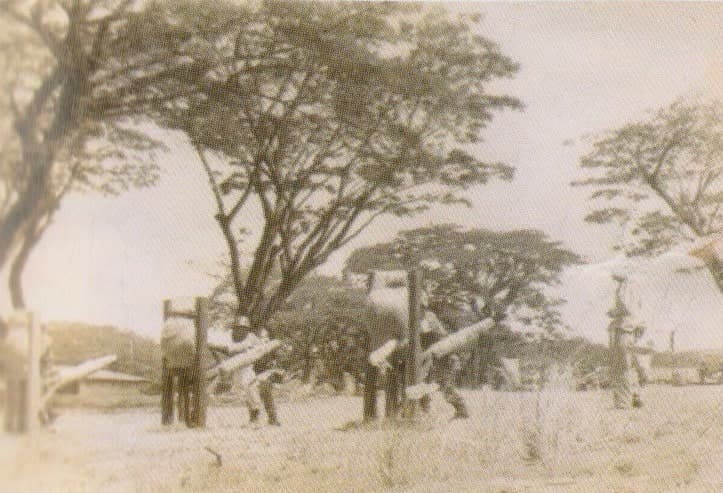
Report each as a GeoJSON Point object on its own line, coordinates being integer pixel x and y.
{"type": "Point", "coordinates": [253, 415]}
{"type": "Point", "coordinates": [455, 400]}
{"type": "Point", "coordinates": [267, 399]}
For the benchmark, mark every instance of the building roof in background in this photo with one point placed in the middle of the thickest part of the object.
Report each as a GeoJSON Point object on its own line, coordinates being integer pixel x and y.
{"type": "Point", "coordinates": [113, 376]}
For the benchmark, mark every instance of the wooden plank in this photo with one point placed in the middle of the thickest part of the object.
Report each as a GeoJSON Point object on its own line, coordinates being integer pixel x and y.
{"type": "Point", "coordinates": [177, 314]}
{"type": "Point", "coordinates": [74, 373]}
{"type": "Point", "coordinates": [200, 397]}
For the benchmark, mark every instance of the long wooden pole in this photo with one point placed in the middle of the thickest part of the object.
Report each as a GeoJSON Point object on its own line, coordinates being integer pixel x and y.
{"type": "Point", "coordinates": [200, 397]}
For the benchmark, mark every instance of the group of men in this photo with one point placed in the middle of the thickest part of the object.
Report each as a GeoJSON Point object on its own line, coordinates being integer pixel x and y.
{"type": "Point", "coordinates": [388, 368]}
{"type": "Point", "coordinates": [254, 383]}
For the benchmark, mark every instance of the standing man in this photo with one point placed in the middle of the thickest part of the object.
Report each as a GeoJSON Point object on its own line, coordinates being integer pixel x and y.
{"type": "Point", "coordinates": [627, 373]}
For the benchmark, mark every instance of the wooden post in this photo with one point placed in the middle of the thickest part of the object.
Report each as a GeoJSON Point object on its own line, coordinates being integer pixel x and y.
{"type": "Point", "coordinates": [12, 404]}
{"type": "Point", "coordinates": [369, 403]}
{"type": "Point", "coordinates": [200, 399]}
{"type": "Point", "coordinates": [166, 380]}
{"type": "Point", "coordinates": [412, 364]}
{"type": "Point", "coordinates": [33, 389]}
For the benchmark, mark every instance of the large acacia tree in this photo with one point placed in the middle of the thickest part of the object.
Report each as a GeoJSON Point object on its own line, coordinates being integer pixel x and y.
{"type": "Point", "coordinates": [324, 117]}
{"type": "Point", "coordinates": [661, 179]}
{"type": "Point", "coordinates": [477, 274]}
{"type": "Point", "coordinates": [78, 77]}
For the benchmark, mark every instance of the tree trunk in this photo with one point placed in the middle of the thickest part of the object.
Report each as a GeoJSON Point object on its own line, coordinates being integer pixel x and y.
{"type": "Point", "coordinates": [15, 284]}
{"type": "Point", "coordinates": [15, 281]}
{"type": "Point", "coordinates": [36, 226]}
{"type": "Point", "coordinates": [20, 213]}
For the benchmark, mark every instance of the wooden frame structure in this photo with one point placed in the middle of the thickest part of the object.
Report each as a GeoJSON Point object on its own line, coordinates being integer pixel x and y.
{"type": "Point", "coordinates": [24, 388]}
{"type": "Point", "coordinates": [403, 368]}
{"type": "Point", "coordinates": [30, 387]}
{"type": "Point", "coordinates": [406, 364]}
{"type": "Point", "coordinates": [189, 382]}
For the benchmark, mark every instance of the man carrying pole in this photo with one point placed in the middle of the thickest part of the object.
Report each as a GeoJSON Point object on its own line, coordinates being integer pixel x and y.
{"type": "Point", "coordinates": [442, 369]}
{"type": "Point", "coordinates": [254, 383]}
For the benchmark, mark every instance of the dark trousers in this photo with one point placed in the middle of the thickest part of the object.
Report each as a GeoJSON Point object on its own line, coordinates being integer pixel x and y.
{"type": "Point", "coordinates": [394, 382]}
{"type": "Point", "coordinates": [371, 374]}
{"type": "Point", "coordinates": [267, 399]}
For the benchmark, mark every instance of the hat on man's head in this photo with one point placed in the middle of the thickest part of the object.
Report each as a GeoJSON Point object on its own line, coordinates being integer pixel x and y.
{"type": "Point", "coordinates": [241, 327]}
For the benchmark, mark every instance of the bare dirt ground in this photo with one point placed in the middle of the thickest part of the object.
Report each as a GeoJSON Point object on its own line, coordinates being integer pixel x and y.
{"type": "Point", "coordinates": [514, 442]}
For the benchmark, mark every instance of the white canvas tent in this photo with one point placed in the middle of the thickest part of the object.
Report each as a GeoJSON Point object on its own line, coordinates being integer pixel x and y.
{"type": "Point", "coordinates": [672, 292]}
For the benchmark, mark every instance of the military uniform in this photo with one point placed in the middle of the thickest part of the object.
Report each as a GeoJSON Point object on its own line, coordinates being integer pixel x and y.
{"type": "Point", "coordinates": [254, 383]}
{"type": "Point", "coordinates": [444, 372]}
{"type": "Point", "coordinates": [626, 372]}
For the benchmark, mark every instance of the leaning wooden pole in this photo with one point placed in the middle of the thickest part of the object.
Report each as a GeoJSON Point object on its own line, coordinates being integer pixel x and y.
{"type": "Point", "coordinates": [413, 352]}
{"type": "Point", "coordinates": [200, 397]}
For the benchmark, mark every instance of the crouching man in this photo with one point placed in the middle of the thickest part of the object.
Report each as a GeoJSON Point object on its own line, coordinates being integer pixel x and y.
{"type": "Point", "coordinates": [254, 383]}
{"type": "Point", "coordinates": [444, 370]}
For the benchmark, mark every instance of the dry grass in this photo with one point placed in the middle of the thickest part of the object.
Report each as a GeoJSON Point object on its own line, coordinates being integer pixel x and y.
{"type": "Point", "coordinates": [550, 441]}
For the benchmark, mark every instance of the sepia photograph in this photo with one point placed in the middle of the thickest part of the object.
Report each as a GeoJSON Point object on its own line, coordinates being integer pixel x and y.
{"type": "Point", "coordinates": [361, 246]}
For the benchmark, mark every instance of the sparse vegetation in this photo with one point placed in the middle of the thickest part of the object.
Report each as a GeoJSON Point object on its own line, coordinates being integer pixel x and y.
{"type": "Point", "coordinates": [582, 444]}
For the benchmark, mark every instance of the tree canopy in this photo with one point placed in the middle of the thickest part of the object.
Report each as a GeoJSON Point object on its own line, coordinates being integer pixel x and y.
{"type": "Point", "coordinates": [79, 80]}
{"type": "Point", "coordinates": [479, 273]}
{"type": "Point", "coordinates": [326, 116]}
{"type": "Point", "coordinates": [661, 178]}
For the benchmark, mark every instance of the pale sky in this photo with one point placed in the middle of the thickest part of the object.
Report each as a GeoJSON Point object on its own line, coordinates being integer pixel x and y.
{"type": "Point", "coordinates": [584, 68]}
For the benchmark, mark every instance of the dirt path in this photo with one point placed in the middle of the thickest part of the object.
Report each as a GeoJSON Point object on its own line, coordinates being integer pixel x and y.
{"type": "Point", "coordinates": [513, 442]}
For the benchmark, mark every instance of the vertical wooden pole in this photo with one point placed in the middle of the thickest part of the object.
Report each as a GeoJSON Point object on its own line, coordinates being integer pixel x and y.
{"type": "Point", "coordinates": [12, 401]}
{"type": "Point", "coordinates": [369, 406]}
{"type": "Point", "coordinates": [182, 401]}
{"type": "Point", "coordinates": [200, 399]}
{"type": "Point", "coordinates": [21, 413]}
{"type": "Point", "coordinates": [412, 364]}
{"type": "Point", "coordinates": [34, 385]}
{"type": "Point", "coordinates": [166, 380]}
